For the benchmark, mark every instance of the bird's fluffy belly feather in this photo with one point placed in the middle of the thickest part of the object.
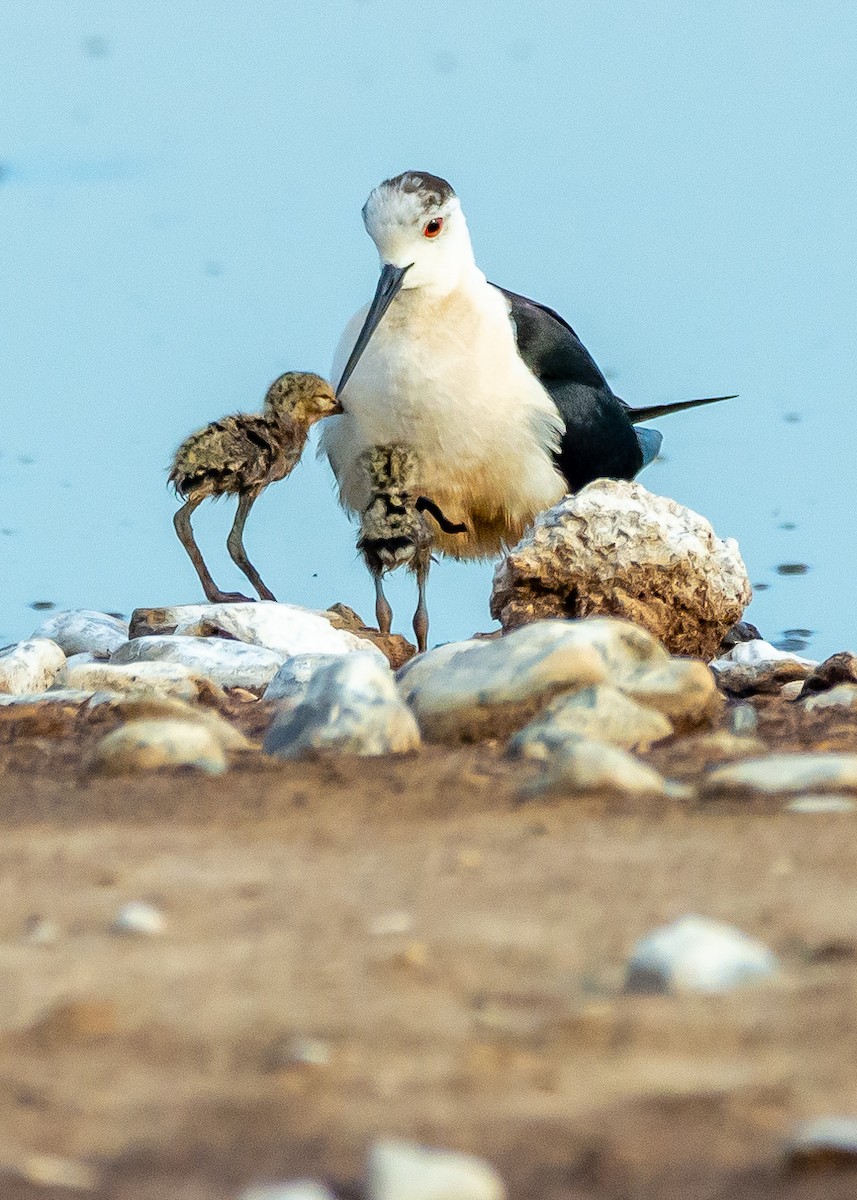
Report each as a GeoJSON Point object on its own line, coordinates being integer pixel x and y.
{"type": "Point", "coordinates": [444, 377]}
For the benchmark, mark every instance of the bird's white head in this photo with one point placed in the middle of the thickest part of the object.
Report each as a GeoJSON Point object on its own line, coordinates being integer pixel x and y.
{"type": "Point", "coordinates": [416, 222]}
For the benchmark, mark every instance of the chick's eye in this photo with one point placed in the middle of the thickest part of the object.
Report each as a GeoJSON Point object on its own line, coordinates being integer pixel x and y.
{"type": "Point", "coordinates": [433, 227]}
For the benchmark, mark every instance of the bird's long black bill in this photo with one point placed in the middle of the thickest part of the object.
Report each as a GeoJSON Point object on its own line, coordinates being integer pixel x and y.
{"type": "Point", "coordinates": [385, 293]}
{"type": "Point", "coordinates": [662, 410]}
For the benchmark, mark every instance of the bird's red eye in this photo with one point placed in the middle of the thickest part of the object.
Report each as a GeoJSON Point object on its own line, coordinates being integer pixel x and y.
{"type": "Point", "coordinates": [433, 227]}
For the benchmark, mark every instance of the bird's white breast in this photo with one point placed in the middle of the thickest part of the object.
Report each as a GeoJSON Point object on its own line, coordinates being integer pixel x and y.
{"type": "Point", "coordinates": [442, 375]}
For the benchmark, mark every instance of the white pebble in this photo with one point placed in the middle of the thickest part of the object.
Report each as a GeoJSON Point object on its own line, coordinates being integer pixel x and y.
{"type": "Point", "coordinates": [695, 954]}
{"type": "Point", "coordinates": [138, 918]}
{"type": "Point", "coordinates": [400, 1170]}
{"type": "Point", "coordinates": [822, 804]}
{"type": "Point", "coordinates": [302, 1189]}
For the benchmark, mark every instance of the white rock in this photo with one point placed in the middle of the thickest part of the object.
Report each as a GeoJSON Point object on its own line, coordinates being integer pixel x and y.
{"type": "Point", "coordinates": [287, 629]}
{"type": "Point", "coordinates": [388, 924]}
{"type": "Point", "coordinates": [145, 745]}
{"type": "Point", "coordinates": [783, 775]}
{"type": "Point", "coordinates": [824, 1141]}
{"type": "Point", "coordinates": [583, 767]}
{"type": "Point", "coordinates": [758, 650]}
{"type": "Point", "coordinates": [31, 666]}
{"type": "Point", "coordinates": [466, 691]}
{"type": "Point", "coordinates": [62, 697]}
{"type": "Point", "coordinates": [696, 954]}
{"type": "Point", "coordinates": [137, 918]}
{"type": "Point", "coordinates": [843, 695]}
{"type": "Point", "coordinates": [80, 630]}
{"type": "Point", "coordinates": [601, 713]}
{"type": "Point", "coordinates": [161, 678]}
{"type": "Point", "coordinates": [290, 683]}
{"type": "Point", "coordinates": [684, 690]}
{"type": "Point", "coordinates": [226, 663]}
{"type": "Point", "coordinates": [615, 548]}
{"type": "Point", "coordinates": [301, 1189]}
{"type": "Point", "coordinates": [149, 706]}
{"type": "Point", "coordinates": [351, 706]}
{"type": "Point", "coordinates": [822, 804]}
{"type": "Point", "coordinates": [400, 1170]}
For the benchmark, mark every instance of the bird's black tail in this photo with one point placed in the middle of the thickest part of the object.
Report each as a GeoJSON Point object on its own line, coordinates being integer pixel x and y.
{"type": "Point", "coordinates": [652, 411]}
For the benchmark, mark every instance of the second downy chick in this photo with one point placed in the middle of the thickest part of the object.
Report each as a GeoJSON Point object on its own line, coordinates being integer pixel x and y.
{"type": "Point", "coordinates": [394, 531]}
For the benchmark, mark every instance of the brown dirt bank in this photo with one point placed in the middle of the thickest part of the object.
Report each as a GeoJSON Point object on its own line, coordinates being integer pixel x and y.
{"type": "Point", "coordinates": [495, 1024]}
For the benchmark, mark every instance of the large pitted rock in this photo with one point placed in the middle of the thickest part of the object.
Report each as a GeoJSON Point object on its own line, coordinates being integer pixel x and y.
{"type": "Point", "coordinates": [225, 662]}
{"type": "Point", "coordinates": [469, 691]}
{"type": "Point", "coordinates": [30, 666]}
{"type": "Point", "coordinates": [287, 629]}
{"type": "Point", "coordinates": [351, 706]}
{"type": "Point", "coordinates": [615, 548]}
{"type": "Point", "coordinates": [602, 713]}
{"type": "Point", "coordinates": [80, 631]}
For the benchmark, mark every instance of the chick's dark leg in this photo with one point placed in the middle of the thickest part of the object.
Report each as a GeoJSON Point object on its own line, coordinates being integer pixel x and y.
{"type": "Point", "coordinates": [235, 545]}
{"type": "Point", "coordinates": [383, 612]}
{"type": "Point", "coordinates": [183, 528]}
{"type": "Point", "coordinates": [421, 619]}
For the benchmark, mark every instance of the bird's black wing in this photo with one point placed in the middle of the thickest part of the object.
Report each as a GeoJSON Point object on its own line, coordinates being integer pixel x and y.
{"type": "Point", "coordinates": [599, 439]}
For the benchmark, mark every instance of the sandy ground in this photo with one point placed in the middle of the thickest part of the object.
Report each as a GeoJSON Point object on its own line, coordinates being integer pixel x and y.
{"type": "Point", "coordinates": [496, 1023]}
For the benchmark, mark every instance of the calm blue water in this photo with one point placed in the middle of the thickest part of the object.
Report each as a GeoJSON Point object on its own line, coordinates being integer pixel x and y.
{"type": "Point", "coordinates": [180, 203]}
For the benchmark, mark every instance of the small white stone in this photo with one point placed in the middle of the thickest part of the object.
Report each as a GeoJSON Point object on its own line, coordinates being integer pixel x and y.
{"type": "Point", "coordinates": [843, 695]}
{"type": "Point", "coordinates": [80, 630]}
{"type": "Point", "coordinates": [31, 666]}
{"type": "Point", "coordinates": [161, 678]}
{"type": "Point", "coordinates": [791, 691]}
{"type": "Point", "coordinates": [822, 804]}
{"type": "Point", "coordinates": [301, 1189]}
{"type": "Point", "coordinates": [696, 954]}
{"type": "Point", "coordinates": [584, 767]}
{"type": "Point", "coordinates": [783, 775]}
{"type": "Point", "coordinates": [137, 918]}
{"type": "Point", "coordinates": [227, 663]}
{"type": "Point", "coordinates": [351, 706]}
{"type": "Point", "coordinates": [601, 713]}
{"type": "Point", "coordinates": [304, 1051]}
{"type": "Point", "coordinates": [826, 1141]}
{"type": "Point", "coordinates": [400, 1170]}
{"type": "Point", "coordinates": [146, 745]}
{"type": "Point", "coordinates": [40, 931]}
{"type": "Point", "coordinates": [758, 650]}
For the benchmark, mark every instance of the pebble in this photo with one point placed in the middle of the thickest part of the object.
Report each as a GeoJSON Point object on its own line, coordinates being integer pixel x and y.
{"type": "Point", "coordinates": [30, 667]}
{"type": "Point", "coordinates": [822, 804]}
{"type": "Point", "coordinates": [147, 745]}
{"type": "Point", "coordinates": [138, 707]}
{"type": "Point", "coordinates": [600, 713]}
{"type": "Point", "coordinates": [301, 1189]}
{"type": "Point", "coordinates": [589, 767]}
{"type": "Point", "coordinates": [823, 1143]}
{"type": "Point", "coordinates": [301, 1051]}
{"type": "Point", "coordinates": [290, 683]}
{"type": "Point", "coordinates": [39, 931]}
{"type": "Point", "coordinates": [843, 695]}
{"type": "Point", "coordinates": [286, 629]}
{"type": "Point", "coordinates": [683, 690]}
{"type": "Point", "coordinates": [54, 1171]}
{"type": "Point", "coordinates": [61, 697]}
{"type": "Point", "coordinates": [839, 668]}
{"type": "Point", "coordinates": [616, 548]}
{"type": "Point", "coordinates": [468, 691]}
{"type": "Point", "coordinates": [81, 631]}
{"type": "Point", "coordinates": [791, 690]}
{"type": "Point", "coordinates": [226, 663]}
{"type": "Point", "coordinates": [743, 720]}
{"type": "Point", "coordinates": [400, 1170]}
{"type": "Point", "coordinates": [161, 678]}
{"type": "Point", "coordinates": [351, 706]}
{"type": "Point", "coordinates": [138, 919]}
{"type": "Point", "coordinates": [391, 923]}
{"type": "Point", "coordinates": [696, 954]}
{"type": "Point", "coordinates": [783, 775]}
